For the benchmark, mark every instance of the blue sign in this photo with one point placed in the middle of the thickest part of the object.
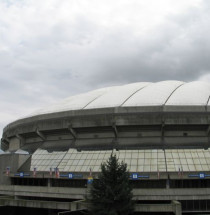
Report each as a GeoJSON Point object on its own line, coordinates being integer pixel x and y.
{"type": "Point", "coordinates": [22, 174]}
{"type": "Point", "coordinates": [136, 176]}
{"type": "Point", "coordinates": [200, 175]}
{"type": "Point", "coordinates": [70, 175]}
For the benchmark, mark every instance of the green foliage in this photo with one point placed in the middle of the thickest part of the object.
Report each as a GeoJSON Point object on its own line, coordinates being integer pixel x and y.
{"type": "Point", "coordinates": [111, 193]}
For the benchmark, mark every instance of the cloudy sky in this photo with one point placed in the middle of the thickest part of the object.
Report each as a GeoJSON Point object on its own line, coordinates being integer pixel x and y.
{"type": "Point", "coordinates": [52, 49]}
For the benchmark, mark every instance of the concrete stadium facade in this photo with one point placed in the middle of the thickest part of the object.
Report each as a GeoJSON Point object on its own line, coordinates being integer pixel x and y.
{"type": "Point", "coordinates": [161, 130]}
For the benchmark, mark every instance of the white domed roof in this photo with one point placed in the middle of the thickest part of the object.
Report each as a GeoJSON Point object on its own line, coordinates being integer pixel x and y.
{"type": "Point", "coordinates": [164, 93]}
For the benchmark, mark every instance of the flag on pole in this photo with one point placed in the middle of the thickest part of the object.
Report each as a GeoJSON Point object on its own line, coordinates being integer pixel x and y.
{"type": "Point", "coordinates": [7, 171]}
{"type": "Point", "coordinates": [90, 178]}
{"type": "Point", "coordinates": [158, 174]}
{"type": "Point", "coordinates": [182, 173]}
{"type": "Point", "coordinates": [179, 173]}
{"type": "Point", "coordinates": [57, 174]}
{"type": "Point", "coordinates": [50, 171]}
{"type": "Point", "coordinates": [34, 172]}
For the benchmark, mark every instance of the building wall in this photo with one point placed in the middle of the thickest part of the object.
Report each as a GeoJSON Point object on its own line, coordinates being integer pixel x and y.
{"type": "Point", "coordinates": [14, 161]}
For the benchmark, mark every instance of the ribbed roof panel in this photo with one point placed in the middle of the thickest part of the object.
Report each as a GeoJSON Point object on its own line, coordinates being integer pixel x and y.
{"type": "Point", "coordinates": [165, 93]}
{"type": "Point", "coordinates": [117, 96]}
{"type": "Point", "coordinates": [155, 94]}
{"type": "Point", "coordinates": [74, 102]}
{"type": "Point", "coordinates": [192, 93]}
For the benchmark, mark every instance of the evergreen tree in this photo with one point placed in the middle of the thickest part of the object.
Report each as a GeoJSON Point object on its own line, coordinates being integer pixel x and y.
{"type": "Point", "coordinates": [111, 193]}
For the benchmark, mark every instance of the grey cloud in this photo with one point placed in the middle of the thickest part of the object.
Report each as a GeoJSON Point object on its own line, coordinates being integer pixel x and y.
{"type": "Point", "coordinates": [176, 50]}
{"type": "Point", "coordinates": [46, 61]}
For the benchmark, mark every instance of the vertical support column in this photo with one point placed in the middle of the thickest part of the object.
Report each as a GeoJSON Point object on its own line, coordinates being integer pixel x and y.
{"type": "Point", "coordinates": [73, 206]}
{"type": "Point", "coordinates": [163, 142]}
{"type": "Point", "coordinates": [177, 207]}
{"type": "Point", "coordinates": [48, 182]}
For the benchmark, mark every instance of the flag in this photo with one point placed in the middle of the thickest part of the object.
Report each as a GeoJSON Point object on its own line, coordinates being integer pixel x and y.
{"type": "Point", "coordinates": [7, 171]}
{"type": "Point", "coordinates": [34, 172]}
{"type": "Point", "coordinates": [90, 178]}
{"type": "Point", "coordinates": [179, 173]}
{"type": "Point", "coordinates": [182, 173]}
{"type": "Point", "coordinates": [57, 174]}
{"type": "Point", "coordinates": [158, 174]}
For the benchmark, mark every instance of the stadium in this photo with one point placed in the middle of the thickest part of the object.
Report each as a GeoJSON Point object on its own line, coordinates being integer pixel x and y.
{"type": "Point", "coordinates": [161, 130]}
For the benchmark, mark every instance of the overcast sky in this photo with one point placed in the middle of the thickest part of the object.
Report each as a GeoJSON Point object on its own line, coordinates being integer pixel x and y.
{"type": "Point", "coordinates": [52, 49]}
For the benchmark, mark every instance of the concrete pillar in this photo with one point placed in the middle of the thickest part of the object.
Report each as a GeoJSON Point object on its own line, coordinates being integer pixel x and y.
{"type": "Point", "coordinates": [73, 206]}
{"type": "Point", "coordinates": [48, 182]}
{"type": "Point", "coordinates": [167, 184]}
{"type": "Point", "coordinates": [177, 207]}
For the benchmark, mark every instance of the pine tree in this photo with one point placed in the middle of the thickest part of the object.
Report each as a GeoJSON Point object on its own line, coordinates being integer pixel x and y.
{"type": "Point", "coordinates": [111, 193]}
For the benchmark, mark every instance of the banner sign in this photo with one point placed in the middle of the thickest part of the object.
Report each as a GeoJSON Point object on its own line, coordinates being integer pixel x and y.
{"type": "Point", "coordinates": [22, 174]}
{"type": "Point", "coordinates": [71, 175]}
{"type": "Point", "coordinates": [90, 180]}
{"type": "Point", "coordinates": [136, 176]}
{"type": "Point", "coordinates": [200, 175]}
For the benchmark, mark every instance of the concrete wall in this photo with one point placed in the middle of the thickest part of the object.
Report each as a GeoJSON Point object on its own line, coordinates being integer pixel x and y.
{"type": "Point", "coordinates": [157, 129]}
{"type": "Point", "coordinates": [80, 193]}
{"type": "Point", "coordinates": [14, 161]}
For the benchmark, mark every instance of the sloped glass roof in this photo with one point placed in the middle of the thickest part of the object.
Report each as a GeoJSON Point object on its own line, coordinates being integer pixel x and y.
{"type": "Point", "coordinates": [137, 160]}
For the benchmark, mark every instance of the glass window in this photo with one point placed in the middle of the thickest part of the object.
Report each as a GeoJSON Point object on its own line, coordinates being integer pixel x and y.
{"type": "Point", "coordinates": [84, 169]}
{"type": "Point", "coordinates": [70, 162]}
{"type": "Point", "coordinates": [190, 161]}
{"type": "Point", "coordinates": [196, 161]}
{"type": "Point", "coordinates": [89, 156]}
{"type": "Point", "coordinates": [81, 162]}
{"type": "Point", "coordinates": [133, 162]}
{"type": "Point", "coordinates": [135, 155]}
{"type": "Point", "coordinates": [128, 155]}
{"type": "Point", "coordinates": [133, 168]}
{"type": "Point", "coordinates": [171, 168]}
{"type": "Point", "coordinates": [146, 168]}
{"type": "Point", "coordinates": [78, 168]}
{"type": "Point", "coordinates": [141, 155]}
{"type": "Point", "coordinates": [191, 168]}
{"type": "Point", "coordinates": [154, 168]}
{"type": "Point", "coordinates": [140, 168]}
{"type": "Point", "coordinates": [168, 155]}
{"type": "Point", "coordinates": [203, 161]}
{"type": "Point", "coordinates": [183, 161]}
{"type": "Point", "coordinates": [198, 167]}
{"type": "Point", "coordinates": [147, 161]}
{"type": "Point", "coordinates": [185, 168]}
{"type": "Point", "coordinates": [205, 167]}
{"type": "Point", "coordinates": [176, 161]}
{"type": "Point", "coordinates": [73, 156]}
{"type": "Point", "coordinates": [160, 155]}
{"type": "Point", "coordinates": [153, 161]}
{"type": "Point", "coordinates": [127, 161]}
{"type": "Point", "coordinates": [200, 154]}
